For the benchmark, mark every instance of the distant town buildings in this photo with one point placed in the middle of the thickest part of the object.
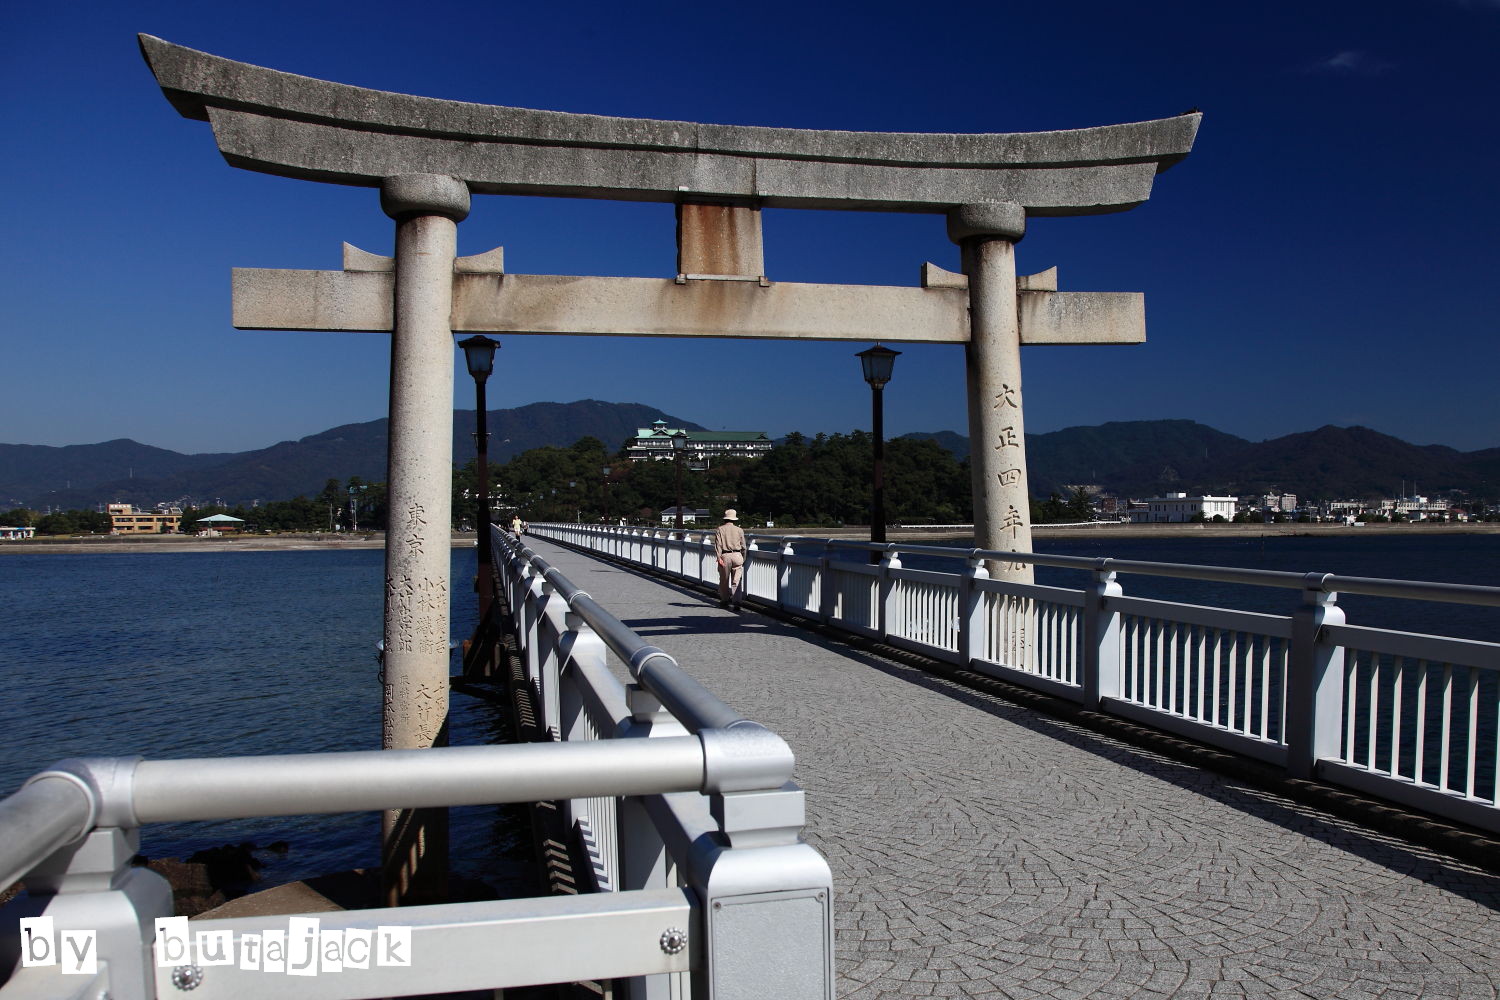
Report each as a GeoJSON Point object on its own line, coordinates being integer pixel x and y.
{"type": "Point", "coordinates": [126, 519]}
{"type": "Point", "coordinates": [654, 443]}
{"type": "Point", "coordinates": [9, 534]}
{"type": "Point", "coordinates": [690, 515]}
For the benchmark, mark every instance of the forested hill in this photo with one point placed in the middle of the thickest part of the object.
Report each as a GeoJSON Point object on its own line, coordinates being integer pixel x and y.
{"type": "Point", "coordinates": [82, 476]}
{"type": "Point", "coordinates": [1131, 458]}
{"type": "Point", "coordinates": [1148, 457]}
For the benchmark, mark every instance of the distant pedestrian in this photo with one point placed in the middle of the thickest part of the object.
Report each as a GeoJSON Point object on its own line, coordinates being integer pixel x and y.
{"type": "Point", "coordinates": [516, 525]}
{"type": "Point", "coordinates": [729, 552]}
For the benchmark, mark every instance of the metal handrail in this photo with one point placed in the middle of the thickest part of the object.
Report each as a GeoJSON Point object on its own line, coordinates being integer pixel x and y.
{"type": "Point", "coordinates": [47, 814]}
{"type": "Point", "coordinates": [692, 704]}
{"type": "Point", "coordinates": [1328, 583]}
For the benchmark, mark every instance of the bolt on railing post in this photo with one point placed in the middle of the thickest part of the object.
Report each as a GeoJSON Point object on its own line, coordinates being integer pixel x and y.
{"type": "Point", "coordinates": [1312, 726]}
{"type": "Point", "coordinates": [890, 615]}
{"type": "Point", "coordinates": [1100, 671]}
{"type": "Point", "coordinates": [973, 623]}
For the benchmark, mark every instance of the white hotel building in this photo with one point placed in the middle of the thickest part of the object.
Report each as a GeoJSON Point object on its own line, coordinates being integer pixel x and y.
{"type": "Point", "coordinates": [1181, 507]}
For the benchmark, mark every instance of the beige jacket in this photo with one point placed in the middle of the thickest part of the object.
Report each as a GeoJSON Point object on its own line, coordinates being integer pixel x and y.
{"type": "Point", "coordinates": [728, 538]}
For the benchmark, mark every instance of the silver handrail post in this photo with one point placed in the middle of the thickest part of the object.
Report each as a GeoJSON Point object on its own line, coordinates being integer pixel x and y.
{"type": "Point", "coordinates": [783, 572]}
{"type": "Point", "coordinates": [827, 593]}
{"type": "Point", "coordinates": [1102, 659]}
{"type": "Point", "coordinates": [644, 861]}
{"type": "Point", "coordinates": [890, 559]}
{"type": "Point", "coordinates": [973, 622]}
{"type": "Point", "coordinates": [1312, 723]}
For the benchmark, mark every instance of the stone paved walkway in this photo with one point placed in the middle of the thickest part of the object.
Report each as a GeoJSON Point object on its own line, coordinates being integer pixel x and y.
{"type": "Point", "coordinates": [980, 849]}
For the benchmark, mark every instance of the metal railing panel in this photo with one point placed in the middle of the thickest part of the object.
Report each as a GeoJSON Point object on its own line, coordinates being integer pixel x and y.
{"type": "Point", "coordinates": [761, 575]}
{"type": "Point", "coordinates": [1230, 680]}
{"type": "Point", "coordinates": [1251, 682]}
{"type": "Point", "coordinates": [1422, 710]}
{"type": "Point", "coordinates": [926, 609]}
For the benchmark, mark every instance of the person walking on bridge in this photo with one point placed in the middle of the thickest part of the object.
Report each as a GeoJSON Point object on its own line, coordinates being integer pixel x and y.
{"type": "Point", "coordinates": [729, 552]}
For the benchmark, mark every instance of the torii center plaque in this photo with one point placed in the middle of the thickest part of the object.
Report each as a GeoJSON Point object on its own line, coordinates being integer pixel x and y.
{"type": "Point", "coordinates": [428, 156]}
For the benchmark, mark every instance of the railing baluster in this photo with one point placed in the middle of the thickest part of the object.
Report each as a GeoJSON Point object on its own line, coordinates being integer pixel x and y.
{"type": "Point", "coordinates": [1444, 775]}
{"type": "Point", "coordinates": [1473, 754]}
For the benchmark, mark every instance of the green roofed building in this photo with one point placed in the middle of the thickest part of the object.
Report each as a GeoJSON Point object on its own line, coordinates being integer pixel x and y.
{"type": "Point", "coordinates": [654, 443]}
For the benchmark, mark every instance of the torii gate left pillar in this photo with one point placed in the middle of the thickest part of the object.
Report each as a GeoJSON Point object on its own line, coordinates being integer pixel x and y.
{"type": "Point", "coordinates": [427, 209]}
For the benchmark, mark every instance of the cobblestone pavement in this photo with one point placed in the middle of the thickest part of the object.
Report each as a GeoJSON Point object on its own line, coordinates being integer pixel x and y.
{"type": "Point", "coordinates": [981, 849]}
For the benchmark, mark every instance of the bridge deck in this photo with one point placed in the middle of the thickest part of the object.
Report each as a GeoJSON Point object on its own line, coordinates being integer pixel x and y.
{"type": "Point", "coordinates": [981, 849]}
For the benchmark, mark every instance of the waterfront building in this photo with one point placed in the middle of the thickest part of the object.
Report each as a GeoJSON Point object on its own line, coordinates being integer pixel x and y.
{"type": "Point", "coordinates": [127, 519]}
{"type": "Point", "coordinates": [1177, 507]}
{"type": "Point", "coordinates": [690, 515]}
{"type": "Point", "coordinates": [1279, 503]}
{"type": "Point", "coordinates": [9, 534]}
{"type": "Point", "coordinates": [654, 443]}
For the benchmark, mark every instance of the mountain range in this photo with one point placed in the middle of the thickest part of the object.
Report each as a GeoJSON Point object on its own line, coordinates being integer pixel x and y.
{"type": "Point", "coordinates": [125, 471]}
{"type": "Point", "coordinates": [1131, 458]}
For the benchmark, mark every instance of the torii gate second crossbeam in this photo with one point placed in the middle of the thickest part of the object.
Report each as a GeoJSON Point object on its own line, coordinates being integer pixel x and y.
{"type": "Point", "coordinates": [428, 156]}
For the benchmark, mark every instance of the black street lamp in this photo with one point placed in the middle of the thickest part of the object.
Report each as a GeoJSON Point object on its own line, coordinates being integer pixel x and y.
{"type": "Point", "coordinates": [479, 355]}
{"type": "Point", "coordinates": [605, 490]}
{"type": "Point", "coordinates": [679, 445]}
{"type": "Point", "coordinates": [877, 363]}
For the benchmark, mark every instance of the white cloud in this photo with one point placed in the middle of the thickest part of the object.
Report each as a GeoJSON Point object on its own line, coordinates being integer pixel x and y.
{"type": "Point", "coordinates": [1351, 61]}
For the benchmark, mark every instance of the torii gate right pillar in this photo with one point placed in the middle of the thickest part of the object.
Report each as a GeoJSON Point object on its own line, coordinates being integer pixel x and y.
{"type": "Point", "coordinates": [987, 235]}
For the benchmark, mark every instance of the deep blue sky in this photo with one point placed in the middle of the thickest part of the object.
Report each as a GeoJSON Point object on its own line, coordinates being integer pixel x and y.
{"type": "Point", "coordinates": [1327, 254]}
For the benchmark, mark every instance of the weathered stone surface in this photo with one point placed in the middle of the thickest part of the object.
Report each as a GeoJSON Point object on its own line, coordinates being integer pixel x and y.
{"type": "Point", "coordinates": [1082, 317]}
{"type": "Point", "coordinates": [270, 299]}
{"type": "Point", "coordinates": [1003, 220]}
{"type": "Point", "coordinates": [719, 239]}
{"type": "Point", "coordinates": [406, 194]}
{"type": "Point", "coordinates": [318, 130]}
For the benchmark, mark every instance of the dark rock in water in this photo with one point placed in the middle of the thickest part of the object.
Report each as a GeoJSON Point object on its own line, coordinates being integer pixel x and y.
{"type": "Point", "coordinates": [231, 868]}
{"type": "Point", "coordinates": [208, 878]}
{"type": "Point", "coordinates": [192, 889]}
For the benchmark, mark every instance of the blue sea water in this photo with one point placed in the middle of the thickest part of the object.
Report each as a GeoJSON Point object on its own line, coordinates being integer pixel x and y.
{"type": "Point", "coordinates": [209, 654]}
{"type": "Point", "coordinates": [196, 654]}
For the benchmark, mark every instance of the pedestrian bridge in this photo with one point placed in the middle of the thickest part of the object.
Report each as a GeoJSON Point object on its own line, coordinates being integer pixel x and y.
{"type": "Point", "coordinates": [982, 848]}
{"type": "Point", "coordinates": [953, 786]}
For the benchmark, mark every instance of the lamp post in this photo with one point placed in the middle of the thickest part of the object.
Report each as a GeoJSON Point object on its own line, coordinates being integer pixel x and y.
{"type": "Point", "coordinates": [605, 490]}
{"type": "Point", "coordinates": [679, 445]}
{"type": "Point", "coordinates": [877, 363]}
{"type": "Point", "coordinates": [479, 355]}
{"type": "Point", "coordinates": [354, 491]}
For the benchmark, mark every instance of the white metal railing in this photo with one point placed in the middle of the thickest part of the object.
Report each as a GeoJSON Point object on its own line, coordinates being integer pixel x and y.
{"type": "Point", "coordinates": [690, 821]}
{"type": "Point", "coordinates": [1409, 717]}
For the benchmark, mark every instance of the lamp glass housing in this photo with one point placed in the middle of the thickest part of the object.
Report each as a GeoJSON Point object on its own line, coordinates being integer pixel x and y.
{"type": "Point", "coordinates": [877, 363]}
{"type": "Point", "coordinates": [479, 355]}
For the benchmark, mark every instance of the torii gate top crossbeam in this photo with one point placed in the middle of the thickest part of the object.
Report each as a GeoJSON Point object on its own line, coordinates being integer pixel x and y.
{"type": "Point", "coordinates": [296, 126]}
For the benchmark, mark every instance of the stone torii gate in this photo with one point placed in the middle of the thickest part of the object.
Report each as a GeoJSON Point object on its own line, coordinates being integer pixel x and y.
{"type": "Point", "coordinates": [427, 156]}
